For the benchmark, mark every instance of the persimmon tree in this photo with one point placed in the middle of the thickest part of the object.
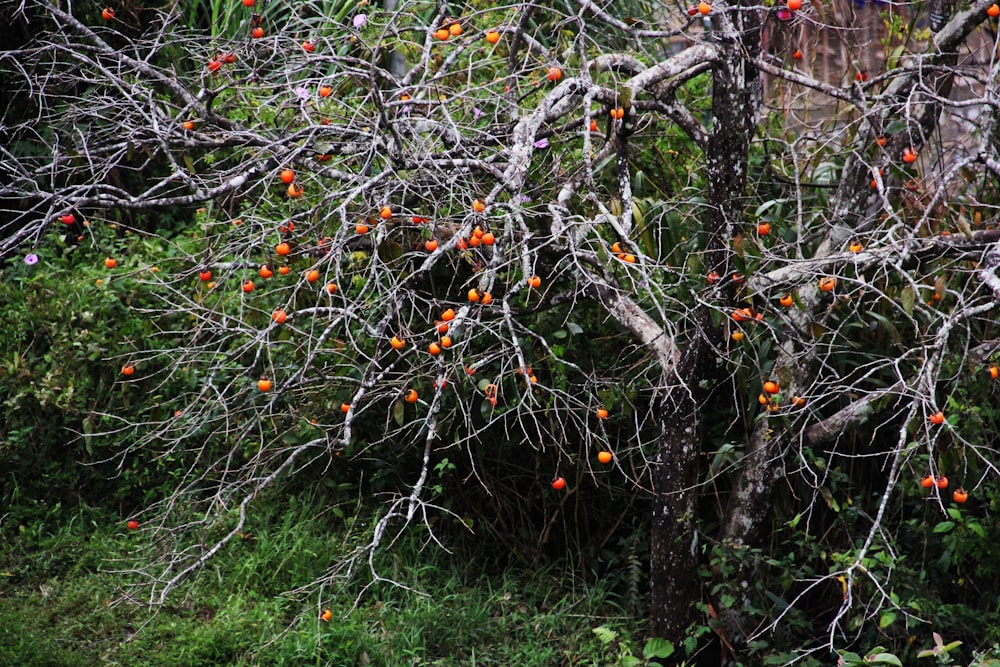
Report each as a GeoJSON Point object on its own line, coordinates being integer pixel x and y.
{"type": "Point", "coordinates": [448, 240]}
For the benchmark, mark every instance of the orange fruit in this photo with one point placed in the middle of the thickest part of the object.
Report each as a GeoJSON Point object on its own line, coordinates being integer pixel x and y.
{"type": "Point", "coordinates": [488, 238]}
{"type": "Point", "coordinates": [446, 341]}
{"type": "Point", "coordinates": [798, 401]}
{"type": "Point", "coordinates": [331, 288]}
{"type": "Point", "coordinates": [279, 316]}
{"type": "Point", "coordinates": [455, 29]}
{"type": "Point", "coordinates": [411, 396]}
{"type": "Point", "coordinates": [205, 276]}
{"type": "Point", "coordinates": [771, 387]}
{"type": "Point", "coordinates": [786, 300]}
{"type": "Point", "coordinates": [881, 141]}
{"type": "Point", "coordinates": [361, 228]}
{"type": "Point", "coordinates": [927, 482]}
{"type": "Point", "coordinates": [797, 55]}
{"type": "Point", "coordinates": [534, 282]}
{"type": "Point", "coordinates": [473, 295]}
{"type": "Point", "coordinates": [909, 156]}
{"type": "Point", "coordinates": [325, 91]}
{"type": "Point", "coordinates": [110, 262]}
{"type": "Point", "coordinates": [763, 228]}
{"type": "Point", "coordinates": [134, 525]}
{"type": "Point", "coordinates": [994, 372]}
{"type": "Point", "coordinates": [287, 176]}
{"type": "Point", "coordinates": [448, 315]}
{"type": "Point", "coordinates": [188, 124]}
{"type": "Point", "coordinates": [628, 258]}
{"type": "Point", "coordinates": [554, 74]}
{"type": "Point", "coordinates": [763, 399]}
{"type": "Point", "coordinates": [282, 249]}
{"type": "Point", "coordinates": [618, 113]}
{"type": "Point", "coordinates": [128, 369]}
{"type": "Point", "coordinates": [593, 126]}
{"type": "Point", "coordinates": [434, 349]}
{"type": "Point", "coordinates": [431, 245]}
{"type": "Point", "coordinates": [486, 299]}
{"type": "Point", "coordinates": [294, 190]}
{"type": "Point", "coordinates": [107, 13]}
{"type": "Point", "coordinates": [855, 247]}
{"type": "Point", "coordinates": [992, 11]}
{"type": "Point", "coordinates": [960, 495]}
{"type": "Point", "coordinates": [937, 418]}
{"type": "Point", "coordinates": [308, 46]}
{"type": "Point", "coordinates": [264, 384]}
{"type": "Point", "coordinates": [704, 8]}
{"type": "Point", "coordinates": [248, 286]}
{"type": "Point", "coordinates": [478, 206]}
{"type": "Point", "coordinates": [397, 343]}
{"type": "Point", "coordinates": [326, 615]}
{"type": "Point", "coordinates": [312, 276]}
{"type": "Point", "coordinates": [442, 327]}
{"type": "Point", "coordinates": [345, 407]}
{"type": "Point", "coordinates": [602, 413]}
{"type": "Point", "coordinates": [559, 484]}
{"type": "Point", "coordinates": [827, 284]}
{"type": "Point", "coordinates": [442, 34]}
{"type": "Point", "coordinates": [941, 482]}
{"type": "Point", "coordinates": [265, 272]}
{"type": "Point", "coordinates": [604, 457]}
{"type": "Point", "coordinates": [492, 37]}
{"type": "Point", "coordinates": [284, 270]}
{"type": "Point", "coordinates": [257, 32]}
{"type": "Point", "coordinates": [385, 212]}
{"type": "Point", "coordinates": [737, 336]}
{"type": "Point", "coordinates": [795, 5]}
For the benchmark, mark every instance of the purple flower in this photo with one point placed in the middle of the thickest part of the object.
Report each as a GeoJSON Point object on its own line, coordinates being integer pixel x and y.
{"type": "Point", "coordinates": [302, 93]}
{"type": "Point", "coordinates": [477, 113]}
{"type": "Point", "coordinates": [31, 259]}
{"type": "Point", "coordinates": [784, 14]}
{"type": "Point", "coordinates": [542, 143]}
{"type": "Point", "coordinates": [360, 20]}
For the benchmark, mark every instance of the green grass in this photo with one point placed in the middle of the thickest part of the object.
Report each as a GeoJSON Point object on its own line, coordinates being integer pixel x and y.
{"type": "Point", "coordinates": [59, 605]}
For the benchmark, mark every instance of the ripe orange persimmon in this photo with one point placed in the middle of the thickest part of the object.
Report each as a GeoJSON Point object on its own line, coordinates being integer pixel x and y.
{"type": "Point", "coordinates": [442, 34]}
{"type": "Point", "coordinates": [67, 219]}
{"type": "Point", "coordinates": [559, 484]}
{"type": "Point", "coordinates": [442, 327]}
{"type": "Point", "coordinates": [602, 413]}
{"type": "Point", "coordinates": [937, 418]}
{"type": "Point", "coordinates": [265, 271]}
{"type": "Point", "coordinates": [486, 299]}
{"type": "Point", "coordinates": [488, 238]}
{"type": "Point", "coordinates": [134, 525]}
{"type": "Point", "coordinates": [287, 176]}
{"type": "Point", "coordinates": [786, 300]}
{"type": "Point", "coordinates": [248, 286]}
{"type": "Point", "coordinates": [264, 384]}
{"type": "Point", "coordinates": [881, 141]}
{"type": "Point", "coordinates": [554, 74]}
{"type": "Point", "coordinates": [737, 336]}
{"type": "Point", "coordinates": [941, 482]}
{"type": "Point", "coordinates": [279, 316]}
{"type": "Point", "coordinates": [282, 249]}
{"type": "Point", "coordinates": [993, 11]}
{"type": "Point", "coordinates": [448, 315]}
{"type": "Point", "coordinates": [492, 37]}
{"type": "Point", "coordinates": [434, 349]}
{"type": "Point", "coordinates": [704, 8]}
{"type": "Point", "coordinates": [331, 288]}
{"type": "Point", "coordinates": [797, 55]}
{"type": "Point", "coordinates": [308, 46]}
{"type": "Point", "coordinates": [107, 13]}
{"type": "Point", "coordinates": [909, 156]}
{"type": "Point", "coordinates": [205, 276]}
{"type": "Point", "coordinates": [326, 615]}
{"type": "Point", "coordinates": [855, 247]}
{"type": "Point", "coordinates": [345, 407]}
{"type": "Point", "coordinates": [397, 343]}
{"type": "Point", "coordinates": [763, 228]}
{"type": "Point", "coordinates": [284, 270]}
{"type": "Point", "coordinates": [771, 387]}
{"type": "Point", "coordinates": [534, 282]}
{"type": "Point", "coordinates": [294, 190]}
{"type": "Point", "coordinates": [473, 295]}
{"type": "Point", "coordinates": [795, 5]}
{"type": "Point", "coordinates": [455, 29]}
{"type": "Point", "coordinates": [446, 341]}
{"type": "Point", "coordinates": [312, 276]}
{"type": "Point", "coordinates": [411, 396]}
{"type": "Point", "coordinates": [110, 263]}
{"type": "Point", "coordinates": [604, 456]}
{"type": "Point", "coordinates": [431, 245]}
{"type": "Point", "coordinates": [478, 206]}
{"type": "Point", "coordinates": [827, 284]}
{"type": "Point", "coordinates": [361, 228]}
{"type": "Point", "coordinates": [994, 372]}
{"type": "Point", "coordinates": [960, 495]}
{"type": "Point", "coordinates": [798, 401]}
{"type": "Point", "coordinates": [618, 113]}
{"type": "Point", "coordinates": [385, 212]}
{"type": "Point", "coordinates": [593, 126]}
{"type": "Point", "coordinates": [325, 91]}
{"type": "Point", "coordinates": [128, 370]}
{"type": "Point", "coordinates": [257, 32]}
{"type": "Point", "coordinates": [927, 482]}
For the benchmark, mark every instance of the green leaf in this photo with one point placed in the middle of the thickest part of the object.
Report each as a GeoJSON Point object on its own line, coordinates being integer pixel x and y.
{"type": "Point", "coordinates": [887, 619]}
{"type": "Point", "coordinates": [658, 648]}
{"type": "Point", "coordinates": [944, 527]}
{"type": "Point", "coordinates": [397, 412]}
{"type": "Point", "coordinates": [605, 634]}
{"type": "Point", "coordinates": [884, 659]}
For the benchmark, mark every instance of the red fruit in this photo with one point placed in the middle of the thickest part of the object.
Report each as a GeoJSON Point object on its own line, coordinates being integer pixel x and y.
{"type": "Point", "coordinates": [554, 74]}
{"type": "Point", "coordinates": [107, 13]}
{"type": "Point", "coordinates": [248, 3]}
{"type": "Point", "coordinates": [257, 32]}
{"type": "Point", "coordinates": [993, 11]}
{"type": "Point", "coordinates": [287, 176]}
{"type": "Point", "coordinates": [927, 482]}
{"type": "Point", "coordinates": [205, 276]}
{"type": "Point", "coordinates": [308, 47]}
{"type": "Point", "coordinates": [937, 418]}
{"type": "Point", "coordinates": [134, 525]}
{"type": "Point", "coordinates": [559, 484]}
{"type": "Point", "coordinates": [795, 5]}
{"type": "Point", "coordinates": [909, 156]}
{"type": "Point", "coordinates": [941, 482]}
{"type": "Point", "coordinates": [67, 219]}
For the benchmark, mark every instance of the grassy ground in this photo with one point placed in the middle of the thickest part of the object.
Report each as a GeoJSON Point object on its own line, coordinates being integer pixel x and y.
{"type": "Point", "coordinates": [61, 605]}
